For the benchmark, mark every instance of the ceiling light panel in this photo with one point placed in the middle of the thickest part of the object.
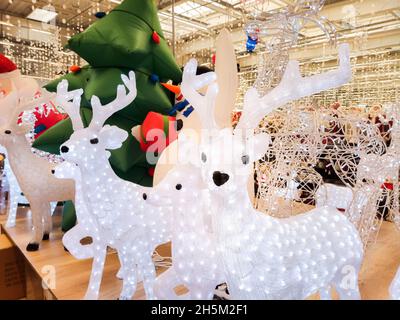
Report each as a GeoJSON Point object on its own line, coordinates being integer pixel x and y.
{"type": "Point", "coordinates": [42, 15]}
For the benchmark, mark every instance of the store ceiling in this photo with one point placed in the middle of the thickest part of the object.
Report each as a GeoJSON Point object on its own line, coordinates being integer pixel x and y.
{"type": "Point", "coordinates": [372, 27]}
{"type": "Point", "coordinates": [206, 16]}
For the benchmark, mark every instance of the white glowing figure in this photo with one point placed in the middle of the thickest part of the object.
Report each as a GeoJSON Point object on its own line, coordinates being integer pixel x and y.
{"type": "Point", "coordinates": [334, 196]}
{"type": "Point", "coordinates": [115, 205]}
{"type": "Point", "coordinates": [194, 250]}
{"type": "Point", "coordinates": [264, 257]}
{"type": "Point", "coordinates": [32, 172]}
{"type": "Point", "coordinates": [394, 289]}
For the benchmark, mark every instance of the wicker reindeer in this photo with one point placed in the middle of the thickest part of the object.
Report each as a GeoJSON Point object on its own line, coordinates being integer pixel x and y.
{"type": "Point", "coordinates": [114, 205]}
{"type": "Point", "coordinates": [264, 257]}
{"type": "Point", "coordinates": [33, 173]}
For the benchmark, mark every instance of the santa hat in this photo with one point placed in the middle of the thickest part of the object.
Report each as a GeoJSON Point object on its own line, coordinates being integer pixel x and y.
{"type": "Point", "coordinates": [6, 65]}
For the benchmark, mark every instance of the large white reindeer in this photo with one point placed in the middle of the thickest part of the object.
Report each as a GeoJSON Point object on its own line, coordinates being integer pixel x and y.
{"type": "Point", "coordinates": [114, 204]}
{"type": "Point", "coordinates": [264, 257]}
{"type": "Point", "coordinates": [33, 173]}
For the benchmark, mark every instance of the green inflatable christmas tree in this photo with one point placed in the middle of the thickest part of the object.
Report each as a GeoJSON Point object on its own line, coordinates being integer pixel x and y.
{"type": "Point", "coordinates": [128, 38]}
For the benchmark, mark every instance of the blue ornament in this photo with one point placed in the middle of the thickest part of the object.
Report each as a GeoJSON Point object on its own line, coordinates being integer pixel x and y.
{"type": "Point", "coordinates": [100, 14]}
{"type": "Point", "coordinates": [188, 111]}
{"type": "Point", "coordinates": [40, 128]}
{"type": "Point", "coordinates": [178, 107]}
{"type": "Point", "coordinates": [251, 44]}
{"type": "Point", "coordinates": [154, 78]}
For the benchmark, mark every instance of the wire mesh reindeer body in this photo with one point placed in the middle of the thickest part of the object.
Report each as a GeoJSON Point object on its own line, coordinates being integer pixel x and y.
{"type": "Point", "coordinates": [290, 176]}
{"type": "Point", "coordinates": [357, 151]}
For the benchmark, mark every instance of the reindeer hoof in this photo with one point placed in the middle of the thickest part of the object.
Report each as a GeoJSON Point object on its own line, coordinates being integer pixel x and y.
{"type": "Point", "coordinates": [46, 237]}
{"type": "Point", "coordinates": [32, 247]}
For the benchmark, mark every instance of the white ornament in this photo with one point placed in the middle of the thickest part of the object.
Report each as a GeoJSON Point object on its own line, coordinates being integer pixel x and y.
{"type": "Point", "coordinates": [121, 219]}
{"type": "Point", "coordinates": [32, 172]}
{"type": "Point", "coordinates": [263, 257]}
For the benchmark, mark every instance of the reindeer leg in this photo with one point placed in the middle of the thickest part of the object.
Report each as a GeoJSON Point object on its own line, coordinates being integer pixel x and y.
{"type": "Point", "coordinates": [72, 242]}
{"type": "Point", "coordinates": [130, 277]}
{"type": "Point", "coordinates": [99, 258]}
{"type": "Point", "coordinates": [48, 223]}
{"type": "Point", "coordinates": [53, 206]}
{"type": "Point", "coordinates": [13, 202]}
{"type": "Point", "coordinates": [37, 219]}
{"type": "Point", "coordinates": [149, 277]}
{"type": "Point", "coordinates": [120, 273]}
{"type": "Point", "coordinates": [165, 284]}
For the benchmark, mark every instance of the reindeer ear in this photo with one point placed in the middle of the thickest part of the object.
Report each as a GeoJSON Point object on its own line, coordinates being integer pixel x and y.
{"type": "Point", "coordinates": [112, 137]}
{"type": "Point", "coordinates": [257, 146]}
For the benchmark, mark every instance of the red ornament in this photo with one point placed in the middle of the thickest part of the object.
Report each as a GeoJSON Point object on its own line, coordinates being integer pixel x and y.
{"type": "Point", "coordinates": [214, 58]}
{"type": "Point", "coordinates": [155, 37]}
{"type": "Point", "coordinates": [6, 65]}
{"type": "Point", "coordinates": [151, 171]}
{"type": "Point", "coordinates": [75, 69]}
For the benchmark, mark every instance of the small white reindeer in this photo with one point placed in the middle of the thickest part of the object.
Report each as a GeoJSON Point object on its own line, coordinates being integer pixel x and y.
{"type": "Point", "coordinates": [32, 172]}
{"type": "Point", "coordinates": [115, 205]}
{"type": "Point", "coordinates": [264, 257]}
{"type": "Point", "coordinates": [194, 256]}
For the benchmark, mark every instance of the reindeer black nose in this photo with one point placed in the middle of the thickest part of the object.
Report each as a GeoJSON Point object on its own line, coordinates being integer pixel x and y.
{"type": "Point", "coordinates": [53, 171]}
{"type": "Point", "coordinates": [64, 149]}
{"type": "Point", "coordinates": [220, 178]}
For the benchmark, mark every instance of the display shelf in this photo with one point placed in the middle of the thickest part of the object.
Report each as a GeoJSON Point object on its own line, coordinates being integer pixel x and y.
{"type": "Point", "coordinates": [380, 264]}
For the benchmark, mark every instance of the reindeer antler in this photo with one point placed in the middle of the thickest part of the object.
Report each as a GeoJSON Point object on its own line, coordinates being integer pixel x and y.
{"type": "Point", "coordinates": [102, 113]}
{"type": "Point", "coordinates": [292, 87]}
{"type": "Point", "coordinates": [71, 108]}
{"type": "Point", "coordinates": [204, 105]}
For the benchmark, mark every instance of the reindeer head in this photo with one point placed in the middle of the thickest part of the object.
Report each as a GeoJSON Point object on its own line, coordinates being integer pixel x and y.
{"type": "Point", "coordinates": [88, 145]}
{"type": "Point", "coordinates": [181, 185]}
{"type": "Point", "coordinates": [67, 170]}
{"type": "Point", "coordinates": [11, 106]}
{"type": "Point", "coordinates": [226, 156]}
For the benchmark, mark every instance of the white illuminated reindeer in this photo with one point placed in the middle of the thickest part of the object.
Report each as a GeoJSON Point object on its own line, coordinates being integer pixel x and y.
{"type": "Point", "coordinates": [32, 172]}
{"type": "Point", "coordinates": [264, 257]}
{"type": "Point", "coordinates": [115, 205]}
{"type": "Point", "coordinates": [194, 252]}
